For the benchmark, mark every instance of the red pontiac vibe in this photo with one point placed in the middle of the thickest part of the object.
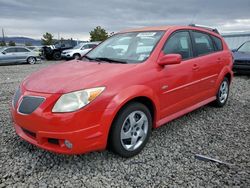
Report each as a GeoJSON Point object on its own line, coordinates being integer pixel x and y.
{"type": "Point", "coordinates": [112, 97]}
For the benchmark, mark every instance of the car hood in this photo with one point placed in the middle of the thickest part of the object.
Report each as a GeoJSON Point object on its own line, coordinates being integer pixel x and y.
{"type": "Point", "coordinates": [73, 75]}
{"type": "Point", "coordinates": [241, 56]}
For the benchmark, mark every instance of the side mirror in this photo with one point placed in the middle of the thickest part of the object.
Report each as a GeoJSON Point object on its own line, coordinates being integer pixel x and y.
{"type": "Point", "coordinates": [170, 59]}
{"type": "Point", "coordinates": [4, 53]}
{"type": "Point", "coordinates": [234, 50]}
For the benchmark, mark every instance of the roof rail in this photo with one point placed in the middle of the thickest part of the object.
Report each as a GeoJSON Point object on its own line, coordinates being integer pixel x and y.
{"type": "Point", "coordinates": [205, 27]}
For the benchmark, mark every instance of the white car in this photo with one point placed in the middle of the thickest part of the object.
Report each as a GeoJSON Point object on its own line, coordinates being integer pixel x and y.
{"type": "Point", "coordinates": [79, 50]}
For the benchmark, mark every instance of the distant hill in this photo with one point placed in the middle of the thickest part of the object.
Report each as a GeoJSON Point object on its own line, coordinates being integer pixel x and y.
{"type": "Point", "coordinates": [23, 40]}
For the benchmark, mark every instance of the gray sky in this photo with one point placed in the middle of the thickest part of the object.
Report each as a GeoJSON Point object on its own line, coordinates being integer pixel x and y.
{"type": "Point", "coordinates": [76, 18]}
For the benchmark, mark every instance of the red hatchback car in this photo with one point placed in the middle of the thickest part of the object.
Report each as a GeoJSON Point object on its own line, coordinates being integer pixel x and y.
{"type": "Point", "coordinates": [134, 81]}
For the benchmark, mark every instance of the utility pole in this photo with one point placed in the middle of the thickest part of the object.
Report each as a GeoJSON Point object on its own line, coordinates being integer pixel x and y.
{"type": "Point", "coordinates": [3, 39]}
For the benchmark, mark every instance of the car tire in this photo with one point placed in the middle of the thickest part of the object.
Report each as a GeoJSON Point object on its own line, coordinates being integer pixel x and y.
{"type": "Point", "coordinates": [222, 93]}
{"type": "Point", "coordinates": [31, 60]}
{"type": "Point", "coordinates": [57, 56]}
{"type": "Point", "coordinates": [76, 56]}
{"type": "Point", "coordinates": [130, 130]}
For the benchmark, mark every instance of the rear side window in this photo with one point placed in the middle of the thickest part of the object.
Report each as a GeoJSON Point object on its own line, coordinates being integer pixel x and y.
{"type": "Point", "coordinates": [10, 50]}
{"type": "Point", "coordinates": [179, 43]}
{"type": "Point", "coordinates": [22, 50]}
{"type": "Point", "coordinates": [218, 43]}
{"type": "Point", "coordinates": [203, 43]}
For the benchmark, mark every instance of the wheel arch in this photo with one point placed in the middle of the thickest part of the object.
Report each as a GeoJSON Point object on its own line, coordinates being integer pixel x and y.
{"type": "Point", "coordinates": [141, 94]}
{"type": "Point", "coordinates": [226, 72]}
{"type": "Point", "coordinates": [30, 57]}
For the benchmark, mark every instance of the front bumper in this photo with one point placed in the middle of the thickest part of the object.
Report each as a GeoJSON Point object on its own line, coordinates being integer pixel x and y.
{"type": "Point", "coordinates": [241, 66]}
{"type": "Point", "coordinates": [86, 130]}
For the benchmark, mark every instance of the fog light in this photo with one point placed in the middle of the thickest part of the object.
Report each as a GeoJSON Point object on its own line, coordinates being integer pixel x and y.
{"type": "Point", "coordinates": [68, 144]}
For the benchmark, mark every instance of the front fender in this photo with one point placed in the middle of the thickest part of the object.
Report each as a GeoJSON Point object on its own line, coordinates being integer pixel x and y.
{"type": "Point", "coordinates": [130, 93]}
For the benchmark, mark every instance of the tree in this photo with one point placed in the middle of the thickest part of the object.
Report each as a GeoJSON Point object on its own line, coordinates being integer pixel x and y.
{"type": "Point", "coordinates": [47, 39]}
{"type": "Point", "coordinates": [12, 43]}
{"type": "Point", "coordinates": [28, 44]}
{"type": "Point", "coordinates": [2, 43]}
{"type": "Point", "coordinates": [98, 34]}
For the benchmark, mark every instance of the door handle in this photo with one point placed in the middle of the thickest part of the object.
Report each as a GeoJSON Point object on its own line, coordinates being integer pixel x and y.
{"type": "Point", "coordinates": [195, 67]}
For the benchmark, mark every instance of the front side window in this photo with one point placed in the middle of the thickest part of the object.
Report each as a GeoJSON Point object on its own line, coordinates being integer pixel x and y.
{"type": "Point", "coordinates": [86, 46]}
{"type": "Point", "coordinates": [179, 43]}
{"type": "Point", "coordinates": [245, 47]}
{"type": "Point", "coordinates": [203, 43]}
{"type": "Point", "coordinates": [132, 47]}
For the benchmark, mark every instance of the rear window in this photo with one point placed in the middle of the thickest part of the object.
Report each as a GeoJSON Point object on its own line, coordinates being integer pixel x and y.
{"type": "Point", "coordinates": [218, 43]}
{"type": "Point", "coordinates": [203, 43]}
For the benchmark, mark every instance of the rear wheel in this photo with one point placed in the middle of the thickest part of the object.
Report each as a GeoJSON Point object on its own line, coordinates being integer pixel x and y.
{"type": "Point", "coordinates": [31, 60]}
{"type": "Point", "coordinates": [222, 94]}
{"type": "Point", "coordinates": [131, 130]}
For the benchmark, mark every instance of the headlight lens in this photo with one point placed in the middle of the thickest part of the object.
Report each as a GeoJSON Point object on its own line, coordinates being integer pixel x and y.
{"type": "Point", "coordinates": [73, 101]}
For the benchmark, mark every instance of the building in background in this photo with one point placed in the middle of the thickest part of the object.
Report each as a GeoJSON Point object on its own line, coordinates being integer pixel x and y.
{"type": "Point", "coordinates": [235, 40]}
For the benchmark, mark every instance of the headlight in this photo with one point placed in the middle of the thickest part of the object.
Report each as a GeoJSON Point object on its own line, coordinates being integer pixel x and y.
{"type": "Point", "coordinates": [73, 101]}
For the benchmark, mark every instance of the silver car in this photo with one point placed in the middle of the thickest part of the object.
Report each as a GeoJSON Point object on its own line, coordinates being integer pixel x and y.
{"type": "Point", "coordinates": [18, 55]}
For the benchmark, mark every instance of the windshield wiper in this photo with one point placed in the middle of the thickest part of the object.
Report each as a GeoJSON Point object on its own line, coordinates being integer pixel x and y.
{"type": "Point", "coordinates": [109, 60]}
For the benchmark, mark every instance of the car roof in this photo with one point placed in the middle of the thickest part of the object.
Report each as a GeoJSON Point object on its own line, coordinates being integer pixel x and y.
{"type": "Point", "coordinates": [165, 28]}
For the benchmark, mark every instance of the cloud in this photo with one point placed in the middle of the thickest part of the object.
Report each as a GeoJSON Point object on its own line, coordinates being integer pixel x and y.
{"type": "Point", "coordinates": [76, 18]}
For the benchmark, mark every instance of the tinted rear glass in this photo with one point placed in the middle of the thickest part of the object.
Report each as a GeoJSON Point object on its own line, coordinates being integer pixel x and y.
{"type": "Point", "coordinates": [203, 43]}
{"type": "Point", "coordinates": [218, 43]}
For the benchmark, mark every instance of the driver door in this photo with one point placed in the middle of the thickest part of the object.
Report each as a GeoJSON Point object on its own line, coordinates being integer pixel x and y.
{"type": "Point", "coordinates": [177, 81]}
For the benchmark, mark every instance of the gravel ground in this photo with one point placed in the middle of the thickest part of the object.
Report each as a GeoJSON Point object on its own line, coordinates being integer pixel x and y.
{"type": "Point", "coordinates": [167, 161]}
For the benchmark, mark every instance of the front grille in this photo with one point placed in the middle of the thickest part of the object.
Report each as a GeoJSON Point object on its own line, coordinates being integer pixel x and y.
{"type": "Point", "coordinates": [29, 104]}
{"type": "Point", "coordinates": [242, 62]}
{"type": "Point", "coordinates": [16, 96]}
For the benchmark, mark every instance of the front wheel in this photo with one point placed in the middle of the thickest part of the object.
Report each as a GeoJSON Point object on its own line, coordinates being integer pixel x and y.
{"type": "Point", "coordinates": [131, 130]}
{"type": "Point", "coordinates": [222, 94]}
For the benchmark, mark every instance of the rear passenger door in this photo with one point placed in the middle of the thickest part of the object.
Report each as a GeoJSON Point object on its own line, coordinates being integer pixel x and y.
{"type": "Point", "coordinates": [22, 53]}
{"type": "Point", "coordinates": [206, 66]}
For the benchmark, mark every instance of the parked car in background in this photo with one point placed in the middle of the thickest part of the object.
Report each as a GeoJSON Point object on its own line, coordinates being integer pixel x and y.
{"type": "Point", "coordinates": [242, 58]}
{"type": "Point", "coordinates": [113, 96]}
{"type": "Point", "coordinates": [53, 52]}
{"type": "Point", "coordinates": [18, 55]}
{"type": "Point", "coordinates": [79, 50]}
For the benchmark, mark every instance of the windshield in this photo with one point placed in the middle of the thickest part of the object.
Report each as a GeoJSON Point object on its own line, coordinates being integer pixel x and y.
{"type": "Point", "coordinates": [133, 47]}
{"type": "Point", "coordinates": [78, 46]}
{"type": "Point", "coordinates": [245, 47]}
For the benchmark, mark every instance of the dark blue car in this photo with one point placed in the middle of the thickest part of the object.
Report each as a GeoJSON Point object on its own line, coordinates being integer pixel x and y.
{"type": "Point", "coordinates": [242, 58]}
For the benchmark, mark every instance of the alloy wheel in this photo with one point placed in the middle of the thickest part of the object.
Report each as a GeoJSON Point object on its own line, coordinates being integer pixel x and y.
{"type": "Point", "coordinates": [134, 130]}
